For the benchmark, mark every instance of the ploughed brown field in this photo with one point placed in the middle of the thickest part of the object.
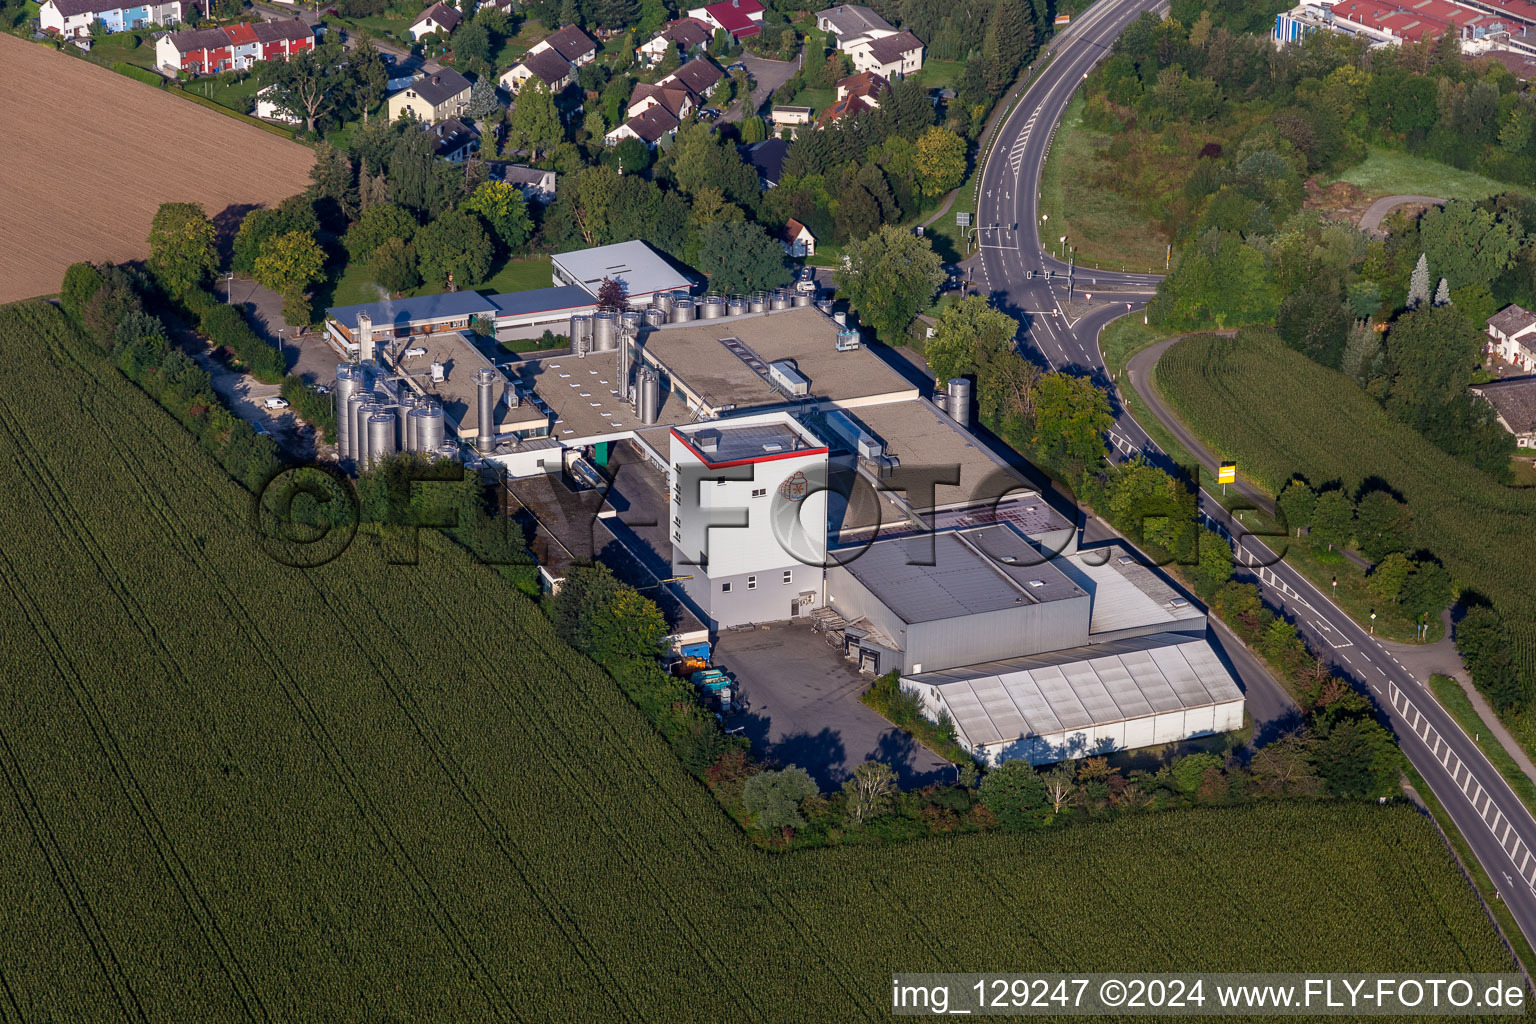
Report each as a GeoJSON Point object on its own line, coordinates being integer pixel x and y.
{"type": "Point", "coordinates": [87, 156]}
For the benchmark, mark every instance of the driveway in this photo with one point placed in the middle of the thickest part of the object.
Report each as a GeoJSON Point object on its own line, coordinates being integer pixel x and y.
{"type": "Point", "coordinates": [1370, 221]}
{"type": "Point", "coordinates": [767, 75]}
{"type": "Point", "coordinates": [306, 354]}
{"type": "Point", "coordinates": [805, 708]}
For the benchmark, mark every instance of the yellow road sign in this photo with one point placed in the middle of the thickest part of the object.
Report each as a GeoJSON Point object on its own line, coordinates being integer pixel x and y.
{"type": "Point", "coordinates": [1227, 473]}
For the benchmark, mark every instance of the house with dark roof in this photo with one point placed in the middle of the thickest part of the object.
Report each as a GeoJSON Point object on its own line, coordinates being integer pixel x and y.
{"type": "Point", "coordinates": [767, 158]}
{"type": "Point", "coordinates": [1514, 403]}
{"type": "Point", "coordinates": [676, 100]}
{"type": "Point", "coordinates": [699, 76]}
{"type": "Point", "coordinates": [232, 47]}
{"type": "Point", "coordinates": [741, 18]}
{"type": "Point", "coordinates": [890, 56]}
{"type": "Point", "coordinates": [536, 186]}
{"type": "Point", "coordinates": [871, 42]}
{"type": "Point", "coordinates": [569, 42]}
{"type": "Point", "coordinates": [682, 36]}
{"type": "Point", "coordinates": [545, 65]}
{"type": "Point", "coordinates": [453, 140]}
{"type": "Point", "coordinates": [439, 18]}
{"type": "Point", "coordinates": [432, 97]}
{"type": "Point", "coordinates": [867, 85]}
{"type": "Point", "coordinates": [76, 19]}
{"type": "Point", "coordinates": [650, 127]}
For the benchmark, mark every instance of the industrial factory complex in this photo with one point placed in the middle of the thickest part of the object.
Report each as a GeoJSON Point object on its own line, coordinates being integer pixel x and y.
{"type": "Point", "coordinates": [774, 468]}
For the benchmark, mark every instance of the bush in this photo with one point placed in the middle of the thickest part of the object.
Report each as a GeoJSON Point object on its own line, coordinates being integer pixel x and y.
{"type": "Point", "coordinates": [314, 409]}
{"type": "Point", "coordinates": [81, 281]}
{"type": "Point", "coordinates": [225, 326]}
{"type": "Point", "coordinates": [1015, 795]}
{"type": "Point", "coordinates": [139, 74]}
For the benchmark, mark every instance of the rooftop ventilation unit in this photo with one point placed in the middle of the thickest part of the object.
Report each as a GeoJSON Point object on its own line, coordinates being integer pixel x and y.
{"type": "Point", "coordinates": [707, 440]}
{"type": "Point", "coordinates": [1126, 560]}
{"type": "Point", "coordinates": [412, 353]}
{"type": "Point", "coordinates": [773, 446]}
{"type": "Point", "coordinates": [847, 339]}
{"type": "Point", "coordinates": [1037, 583]}
{"type": "Point", "coordinates": [784, 374]}
{"type": "Point", "coordinates": [1178, 602]}
{"type": "Point", "coordinates": [439, 373]}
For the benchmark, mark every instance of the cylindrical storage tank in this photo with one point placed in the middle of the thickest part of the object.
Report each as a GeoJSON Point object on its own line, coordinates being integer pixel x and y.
{"type": "Point", "coordinates": [802, 299]}
{"type": "Point", "coordinates": [605, 330]}
{"type": "Point", "coordinates": [841, 318]}
{"type": "Point", "coordinates": [347, 380]}
{"type": "Point", "coordinates": [960, 401]}
{"type": "Point", "coordinates": [682, 311]}
{"type": "Point", "coordinates": [365, 411]}
{"type": "Point", "coordinates": [650, 397]}
{"type": "Point", "coordinates": [778, 300]}
{"type": "Point", "coordinates": [941, 399]}
{"type": "Point", "coordinates": [356, 424]}
{"type": "Point", "coordinates": [631, 319]}
{"type": "Point", "coordinates": [825, 305]}
{"type": "Point", "coordinates": [485, 394]}
{"type": "Point", "coordinates": [663, 301]}
{"type": "Point", "coordinates": [757, 302]}
{"type": "Point", "coordinates": [735, 306]}
{"type": "Point", "coordinates": [430, 431]}
{"type": "Point", "coordinates": [402, 412]}
{"type": "Point", "coordinates": [581, 333]}
{"type": "Point", "coordinates": [655, 316]}
{"type": "Point", "coordinates": [381, 437]}
{"type": "Point", "coordinates": [625, 357]}
{"type": "Point", "coordinates": [413, 429]}
{"type": "Point", "coordinates": [711, 307]}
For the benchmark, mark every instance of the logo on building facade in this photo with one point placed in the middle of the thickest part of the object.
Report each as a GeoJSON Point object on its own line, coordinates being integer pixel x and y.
{"type": "Point", "coordinates": [795, 486]}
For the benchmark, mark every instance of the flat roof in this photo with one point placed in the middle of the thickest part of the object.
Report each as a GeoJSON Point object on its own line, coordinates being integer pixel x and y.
{"type": "Point", "coordinates": [457, 391]}
{"type": "Point", "coordinates": [542, 300]}
{"type": "Point", "coordinates": [971, 573]}
{"type": "Point", "coordinates": [920, 436]}
{"type": "Point", "coordinates": [1102, 684]}
{"type": "Point", "coordinates": [692, 353]}
{"type": "Point", "coordinates": [1124, 592]}
{"type": "Point", "coordinates": [641, 269]}
{"type": "Point", "coordinates": [735, 443]}
{"type": "Point", "coordinates": [583, 395]}
{"type": "Point", "coordinates": [403, 312]}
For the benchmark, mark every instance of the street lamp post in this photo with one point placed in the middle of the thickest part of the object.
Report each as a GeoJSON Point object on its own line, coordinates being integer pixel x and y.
{"type": "Point", "coordinates": [280, 351]}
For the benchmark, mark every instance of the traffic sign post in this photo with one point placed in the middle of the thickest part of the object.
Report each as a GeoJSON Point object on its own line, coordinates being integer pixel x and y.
{"type": "Point", "coordinates": [1226, 473]}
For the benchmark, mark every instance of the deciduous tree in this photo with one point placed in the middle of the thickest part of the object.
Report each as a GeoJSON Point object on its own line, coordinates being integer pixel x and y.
{"type": "Point", "coordinates": [502, 207]}
{"type": "Point", "coordinates": [455, 247]}
{"type": "Point", "coordinates": [869, 790]}
{"type": "Point", "coordinates": [940, 160]}
{"type": "Point", "coordinates": [773, 797]}
{"type": "Point", "coordinates": [889, 277]}
{"type": "Point", "coordinates": [290, 263]}
{"type": "Point", "coordinates": [739, 256]}
{"type": "Point", "coordinates": [182, 252]}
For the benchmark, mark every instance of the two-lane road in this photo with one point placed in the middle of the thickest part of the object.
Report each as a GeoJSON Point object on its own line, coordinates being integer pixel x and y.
{"type": "Point", "coordinates": [1013, 271]}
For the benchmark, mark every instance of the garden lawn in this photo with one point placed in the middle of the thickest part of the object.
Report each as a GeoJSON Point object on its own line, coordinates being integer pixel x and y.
{"type": "Point", "coordinates": [1385, 172]}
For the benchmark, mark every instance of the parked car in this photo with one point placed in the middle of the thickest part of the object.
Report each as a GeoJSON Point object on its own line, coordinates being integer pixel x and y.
{"type": "Point", "coordinates": [738, 66]}
{"type": "Point", "coordinates": [275, 402]}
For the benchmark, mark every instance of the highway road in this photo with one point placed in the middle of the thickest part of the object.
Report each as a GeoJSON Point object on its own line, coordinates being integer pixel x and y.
{"type": "Point", "coordinates": [1013, 270]}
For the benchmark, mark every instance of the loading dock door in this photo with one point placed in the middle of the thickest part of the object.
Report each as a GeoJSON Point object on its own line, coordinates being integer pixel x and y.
{"type": "Point", "coordinates": [869, 661]}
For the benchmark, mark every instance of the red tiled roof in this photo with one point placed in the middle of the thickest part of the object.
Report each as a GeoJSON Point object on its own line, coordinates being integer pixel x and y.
{"type": "Point", "coordinates": [846, 105]}
{"type": "Point", "coordinates": [734, 16]}
{"type": "Point", "coordinates": [865, 83]}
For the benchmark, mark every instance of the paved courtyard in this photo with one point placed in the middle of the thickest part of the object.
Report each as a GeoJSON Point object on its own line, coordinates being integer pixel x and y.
{"type": "Point", "coordinates": [805, 708]}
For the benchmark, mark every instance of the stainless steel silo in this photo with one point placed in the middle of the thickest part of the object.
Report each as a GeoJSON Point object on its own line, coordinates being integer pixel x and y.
{"type": "Point", "coordinates": [381, 437]}
{"type": "Point", "coordinates": [757, 302]}
{"type": "Point", "coordinates": [683, 310]}
{"type": "Point", "coordinates": [605, 330]}
{"type": "Point", "coordinates": [778, 300]}
{"type": "Point", "coordinates": [432, 428]}
{"type": "Point", "coordinates": [650, 397]}
{"type": "Point", "coordinates": [356, 423]}
{"type": "Point", "coordinates": [711, 307]}
{"type": "Point", "coordinates": [801, 299]}
{"type": "Point", "coordinates": [735, 306]}
{"type": "Point", "coordinates": [655, 316]}
{"type": "Point", "coordinates": [960, 401]}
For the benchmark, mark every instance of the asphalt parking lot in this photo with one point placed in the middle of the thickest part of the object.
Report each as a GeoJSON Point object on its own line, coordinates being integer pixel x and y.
{"type": "Point", "coordinates": [805, 708]}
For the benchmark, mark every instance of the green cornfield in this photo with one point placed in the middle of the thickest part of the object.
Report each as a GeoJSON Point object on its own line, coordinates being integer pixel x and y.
{"type": "Point", "coordinates": [1278, 413]}
{"type": "Point", "coordinates": [236, 791]}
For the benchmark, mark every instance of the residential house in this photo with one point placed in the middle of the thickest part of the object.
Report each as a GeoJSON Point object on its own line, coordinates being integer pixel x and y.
{"type": "Point", "coordinates": [848, 106]}
{"type": "Point", "coordinates": [453, 140]}
{"type": "Point", "coordinates": [650, 127]}
{"type": "Point", "coordinates": [1514, 403]}
{"type": "Point", "coordinates": [439, 18]}
{"type": "Point", "coordinates": [767, 158]}
{"type": "Point", "coordinates": [1512, 336]}
{"type": "Point", "coordinates": [798, 240]}
{"type": "Point", "coordinates": [232, 47]}
{"type": "Point", "coordinates": [536, 186]}
{"type": "Point", "coordinates": [889, 56]}
{"type": "Point", "coordinates": [867, 85]}
{"type": "Point", "coordinates": [76, 18]}
{"type": "Point", "coordinates": [675, 99]}
{"type": "Point", "coordinates": [432, 97]}
{"type": "Point", "coordinates": [850, 21]}
{"type": "Point", "coordinates": [699, 76]}
{"type": "Point", "coordinates": [741, 18]}
{"type": "Point", "coordinates": [682, 36]}
{"type": "Point", "coordinates": [545, 65]}
{"type": "Point", "coordinates": [569, 42]}
{"type": "Point", "coordinates": [871, 42]}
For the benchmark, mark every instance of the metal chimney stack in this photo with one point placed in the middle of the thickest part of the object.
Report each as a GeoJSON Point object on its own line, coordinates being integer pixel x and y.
{"type": "Point", "coordinates": [960, 401]}
{"type": "Point", "coordinates": [485, 389]}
